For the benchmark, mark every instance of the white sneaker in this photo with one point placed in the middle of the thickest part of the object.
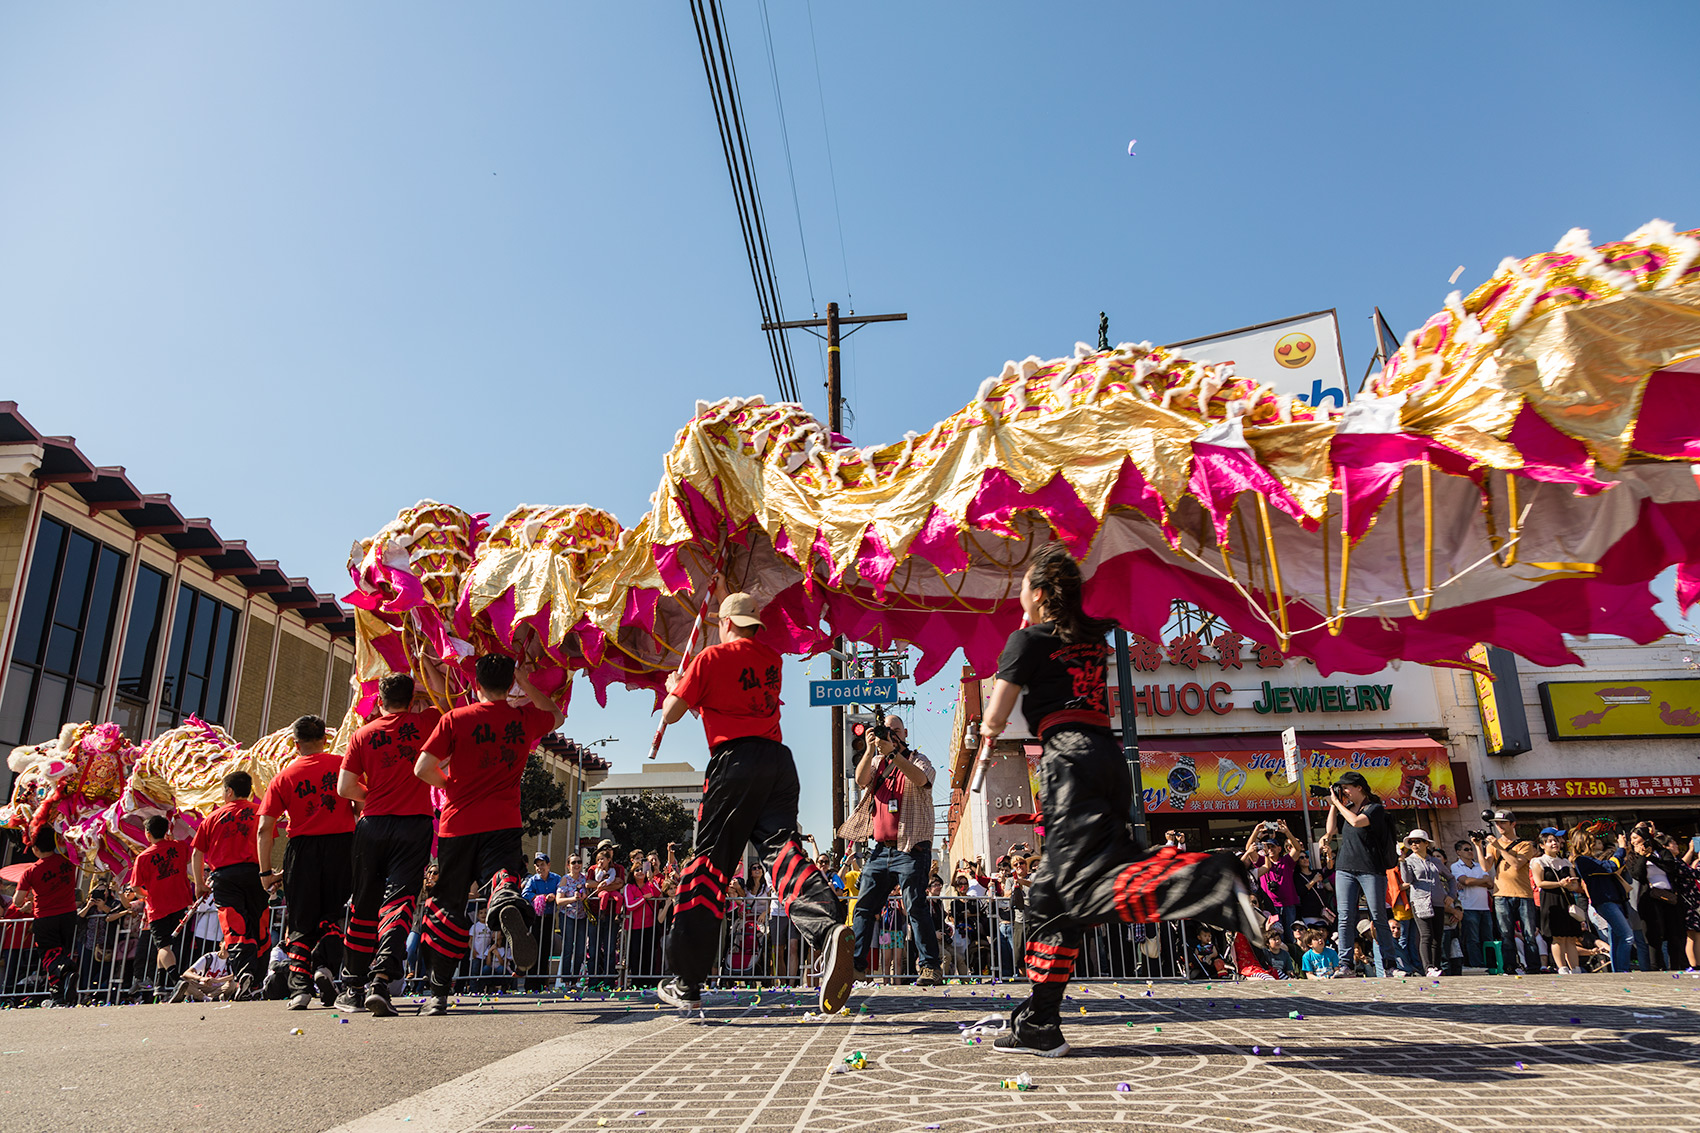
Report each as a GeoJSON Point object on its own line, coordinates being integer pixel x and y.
{"type": "Point", "coordinates": [1435, 973]}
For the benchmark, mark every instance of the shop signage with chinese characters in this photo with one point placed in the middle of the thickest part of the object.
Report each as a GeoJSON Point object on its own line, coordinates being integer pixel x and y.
{"type": "Point", "coordinates": [1627, 787]}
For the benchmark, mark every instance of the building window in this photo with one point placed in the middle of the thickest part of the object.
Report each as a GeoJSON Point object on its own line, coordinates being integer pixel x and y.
{"type": "Point", "coordinates": [197, 668]}
{"type": "Point", "coordinates": [65, 625]}
{"type": "Point", "coordinates": [140, 656]}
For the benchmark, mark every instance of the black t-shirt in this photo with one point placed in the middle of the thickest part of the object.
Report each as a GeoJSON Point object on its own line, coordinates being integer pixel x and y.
{"type": "Point", "coordinates": [1366, 849]}
{"type": "Point", "coordinates": [1056, 675]}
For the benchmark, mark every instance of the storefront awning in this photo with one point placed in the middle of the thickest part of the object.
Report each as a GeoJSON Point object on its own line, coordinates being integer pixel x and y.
{"type": "Point", "coordinates": [1231, 774]}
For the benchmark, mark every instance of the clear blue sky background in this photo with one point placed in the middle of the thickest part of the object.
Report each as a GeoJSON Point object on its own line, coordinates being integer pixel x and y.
{"type": "Point", "coordinates": [302, 264]}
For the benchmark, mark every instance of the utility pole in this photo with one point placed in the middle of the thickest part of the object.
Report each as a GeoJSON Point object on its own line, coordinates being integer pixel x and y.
{"type": "Point", "coordinates": [1124, 688]}
{"type": "Point", "coordinates": [835, 423]}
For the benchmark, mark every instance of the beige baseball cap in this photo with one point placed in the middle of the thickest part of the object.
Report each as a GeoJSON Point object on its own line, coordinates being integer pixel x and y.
{"type": "Point", "coordinates": [740, 609]}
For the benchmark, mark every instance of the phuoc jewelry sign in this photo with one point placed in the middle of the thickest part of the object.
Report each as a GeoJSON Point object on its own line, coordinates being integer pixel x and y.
{"type": "Point", "coordinates": [1191, 684]}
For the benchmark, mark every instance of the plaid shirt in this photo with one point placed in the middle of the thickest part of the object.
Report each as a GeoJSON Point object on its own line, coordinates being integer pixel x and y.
{"type": "Point", "coordinates": [914, 812]}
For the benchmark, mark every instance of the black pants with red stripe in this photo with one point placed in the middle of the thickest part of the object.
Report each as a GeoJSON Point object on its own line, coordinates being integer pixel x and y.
{"type": "Point", "coordinates": [491, 858]}
{"type": "Point", "coordinates": [749, 797]}
{"type": "Point", "coordinates": [318, 873]}
{"type": "Point", "coordinates": [1092, 871]}
{"type": "Point", "coordinates": [54, 937]}
{"type": "Point", "coordinates": [390, 854]}
{"type": "Point", "coordinates": [241, 901]}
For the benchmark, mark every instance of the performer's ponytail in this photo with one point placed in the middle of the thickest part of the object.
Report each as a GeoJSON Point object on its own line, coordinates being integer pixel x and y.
{"type": "Point", "coordinates": [1058, 575]}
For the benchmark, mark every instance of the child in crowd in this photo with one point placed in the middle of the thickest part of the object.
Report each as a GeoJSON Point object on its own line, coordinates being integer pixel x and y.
{"type": "Point", "coordinates": [1320, 961]}
{"type": "Point", "coordinates": [1205, 955]}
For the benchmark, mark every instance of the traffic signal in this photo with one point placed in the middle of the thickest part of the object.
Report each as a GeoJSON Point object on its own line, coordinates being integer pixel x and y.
{"type": "Point", "coordinates": [861, 730]}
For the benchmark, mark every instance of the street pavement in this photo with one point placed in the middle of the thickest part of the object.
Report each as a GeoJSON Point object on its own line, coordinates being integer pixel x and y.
{"type": "Point", "coordinates": [1404, 1056]}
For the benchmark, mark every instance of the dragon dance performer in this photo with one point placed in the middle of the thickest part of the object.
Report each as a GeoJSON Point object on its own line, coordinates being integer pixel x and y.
{"type": "Point", "coordinates": [477, 754]}
{"type": "Point", "coordinates": [52, 887]}
{"type": "Point", "coordinates": [225, 843]}
{"type": "Point", "coordinates": [749, 796]}
{"type": "Point", "coordinates": [1090, 868]}
{"type": "Point", "coordinates": [392, 843]}
{"type": "Point", "coordinates": [160, 874]}
{"type": "Point", "coordinates": [317, 866]}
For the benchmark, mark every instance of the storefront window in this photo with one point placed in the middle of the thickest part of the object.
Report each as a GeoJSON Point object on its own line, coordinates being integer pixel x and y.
{"type": "Point", "coordinates": [59, 662]}
{"type": "Point", "coordinates": [141, 652]}
{"type": "Point", "coordinates": [197, 670]}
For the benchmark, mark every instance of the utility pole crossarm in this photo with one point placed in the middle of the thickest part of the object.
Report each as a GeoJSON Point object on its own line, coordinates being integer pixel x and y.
{"type": "Point", "coordinates": [803, 324]}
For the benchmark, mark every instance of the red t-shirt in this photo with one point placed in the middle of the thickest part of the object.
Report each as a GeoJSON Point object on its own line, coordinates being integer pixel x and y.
{"type": "Point", "coordinates": [161, 872]}
{"type": "Point", "coordinates": [736, 687]}
{"type": "Point", "coordinates": [482, 748]}
{"type": "Point", "coordinates": [226, 836]}
{"type": "Point", "coordinates": [306, 792]}
{"type": "Point", "coordinates": [382, 754]}
{"type": "Point", "coordinates": [53, 882]}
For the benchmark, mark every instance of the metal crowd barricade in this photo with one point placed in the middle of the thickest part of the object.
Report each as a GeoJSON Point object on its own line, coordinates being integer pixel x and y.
{"type": "Point", "coordinates": [980, 939]}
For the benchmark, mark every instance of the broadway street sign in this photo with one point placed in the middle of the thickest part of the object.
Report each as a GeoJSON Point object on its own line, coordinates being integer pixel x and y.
{"type": "Point", "coordinates": [825, 694]}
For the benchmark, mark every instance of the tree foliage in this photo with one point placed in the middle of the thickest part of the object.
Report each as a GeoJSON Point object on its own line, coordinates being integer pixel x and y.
{"type": "Point", "coordinates": [542, 800]}
{"type": "Point", "coordinates": [647, 821]}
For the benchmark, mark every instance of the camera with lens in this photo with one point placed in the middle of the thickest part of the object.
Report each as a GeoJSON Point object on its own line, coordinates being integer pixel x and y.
{"type": "Point", "coordinates": [1486, 832]}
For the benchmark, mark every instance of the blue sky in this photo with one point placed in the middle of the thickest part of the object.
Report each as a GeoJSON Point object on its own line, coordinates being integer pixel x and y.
{"type": "Point", "coordinates": [301, 265]}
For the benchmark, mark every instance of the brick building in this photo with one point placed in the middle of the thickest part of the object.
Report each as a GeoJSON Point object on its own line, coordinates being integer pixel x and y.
{"type": "Point", "coordinates": [114, 606]}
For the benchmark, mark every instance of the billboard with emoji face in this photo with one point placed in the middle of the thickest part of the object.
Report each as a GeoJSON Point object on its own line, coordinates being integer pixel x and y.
{"type": "Point", "coordinates": [1299, 357]}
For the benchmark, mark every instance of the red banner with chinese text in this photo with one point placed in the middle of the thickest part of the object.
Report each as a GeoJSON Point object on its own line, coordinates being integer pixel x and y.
{"type": "Point", "coordinates": [1605, 787]}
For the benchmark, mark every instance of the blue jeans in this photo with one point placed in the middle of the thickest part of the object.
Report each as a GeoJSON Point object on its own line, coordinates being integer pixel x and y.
{"type": "Point", "coordinates": [1509, 910]}
{"type": "Point", "coordinates": [889, 868]}
{"type": "Point", "coordinates": [1006, 950]}
{"type": "Point", "coordinates": [1622, 939]}
{"type": "Point", "coordinates": [1373, 886]}
{"type": "Point", "coordinates": [575, 934]}
{"type": "Point", "coordinates": [1477, 927]}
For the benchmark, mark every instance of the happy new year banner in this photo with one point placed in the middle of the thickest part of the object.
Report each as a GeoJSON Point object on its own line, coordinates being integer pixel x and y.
{"type": "Point", "coordinates": [1248, 773]}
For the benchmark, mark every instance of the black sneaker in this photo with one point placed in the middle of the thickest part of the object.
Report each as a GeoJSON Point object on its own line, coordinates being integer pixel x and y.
{"type": "Point", "coordinates": [349, 1000]}
{"type": "Point", "coordinates": [378, 1000]}
{"type": "Point", "coordinates": [437, 1003]}
{"type": "Point", "coordinates": [300, 1001]}
{"type": "Point", "coordinates": [243, 989]}
{"type": "Point", "coordinates": [1008, 1043]}
{"type": "Point", "coordinates": [838, 974]}
{"type": "Point", "coordinates": [180, 992]}
{"type": "Point", "coordinates": [524, 945]}
{"type": "Point", "coordinates": [325, 983]}
{"type": "Point", "coordinates": [680, 995]}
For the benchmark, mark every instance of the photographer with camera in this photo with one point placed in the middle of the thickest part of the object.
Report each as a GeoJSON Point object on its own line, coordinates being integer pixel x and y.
{"type": "Point", "coordinates": [896, 814]}
{"type": "Point", "coordinates": [1508, 857]}
{"type": "Point", "coordinates": [1366, 854]}
{"type": "Point", "coordinates": [1273, 855]}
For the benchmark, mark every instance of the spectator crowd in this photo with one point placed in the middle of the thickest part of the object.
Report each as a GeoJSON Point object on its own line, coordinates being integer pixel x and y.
{"type": "Point", "coordinates": [1565, 901]}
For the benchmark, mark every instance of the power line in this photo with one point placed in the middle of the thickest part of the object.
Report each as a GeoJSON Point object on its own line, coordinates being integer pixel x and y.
{"type": "Point", "coordinates": [832, 173]}
{"type": "Point", "coordinates": [785, 139]}
{"type": "Point", "coordinates": [734, 144]}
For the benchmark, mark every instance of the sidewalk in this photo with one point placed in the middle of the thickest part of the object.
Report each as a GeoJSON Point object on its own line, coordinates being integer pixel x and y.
{"type": "Point", "coordinates": [1404, 1056]}
{"type": "Point", "coordinates": [1399, 1056]}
